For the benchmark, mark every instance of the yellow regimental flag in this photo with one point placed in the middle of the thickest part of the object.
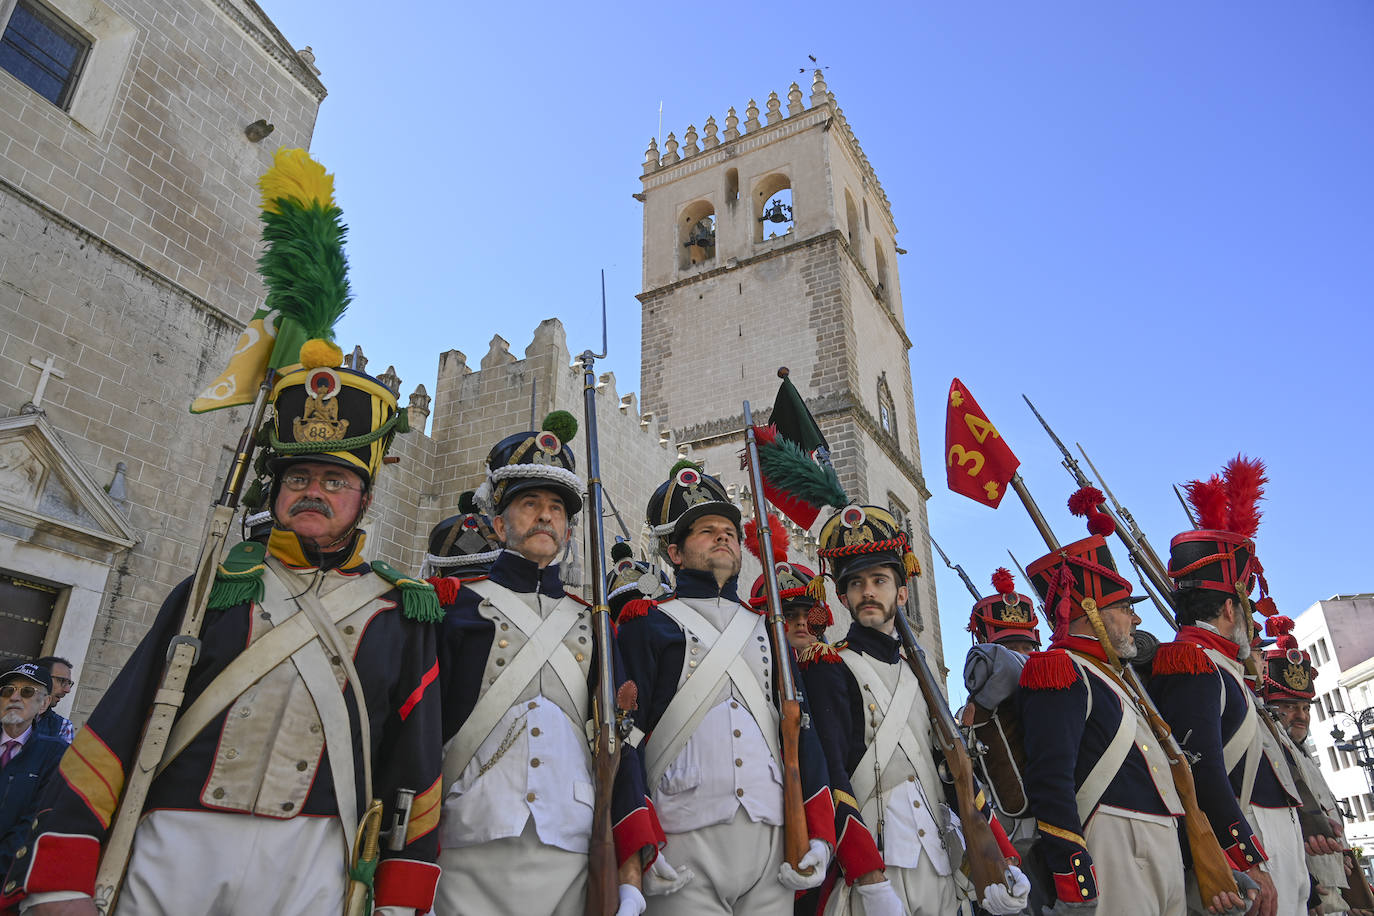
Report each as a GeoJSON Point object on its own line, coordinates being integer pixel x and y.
{"type": "Point", "coordinates": [238, 383]}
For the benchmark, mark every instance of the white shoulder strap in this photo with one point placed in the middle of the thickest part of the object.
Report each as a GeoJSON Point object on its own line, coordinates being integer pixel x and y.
{"type": "Point", "coordinates": [545, 640]}
{"type": "Point", "coordinates": [892, 732]}
{"type": "Point", "coordinates": [1245, 743]}
{"type": "Point", "coordinates": [1107, 766]}
{"type": "Point", "coordinates": [691, 702]}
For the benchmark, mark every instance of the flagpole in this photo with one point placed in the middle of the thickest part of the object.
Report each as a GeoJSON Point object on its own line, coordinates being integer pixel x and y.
{"type": "Point", "coordinates": [1037, 517]}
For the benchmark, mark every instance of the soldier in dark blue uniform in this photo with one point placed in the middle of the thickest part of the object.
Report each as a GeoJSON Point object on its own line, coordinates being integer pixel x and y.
{"type": "Point", "coordinates": [517, 670]}
{"type": "Point", "coordinates": [712, 753]}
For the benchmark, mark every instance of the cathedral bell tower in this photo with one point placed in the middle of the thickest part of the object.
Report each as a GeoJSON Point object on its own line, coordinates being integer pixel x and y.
{"type": "Point", "coordinates": [772, 244]}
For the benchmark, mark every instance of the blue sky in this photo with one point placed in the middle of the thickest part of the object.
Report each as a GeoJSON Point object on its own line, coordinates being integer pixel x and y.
{"type": "Point", "coordinates": [1155, 219]}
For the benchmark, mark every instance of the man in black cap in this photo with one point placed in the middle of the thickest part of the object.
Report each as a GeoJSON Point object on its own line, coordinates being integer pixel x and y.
{"type": "Point", "coordinates": [704, 669]}
{"type": "Point", "coordinates": [517, 668]}
{"type": "Point", "coordinates": [311, 695]}
{"type": "Point", "coordinates": [27, 757]}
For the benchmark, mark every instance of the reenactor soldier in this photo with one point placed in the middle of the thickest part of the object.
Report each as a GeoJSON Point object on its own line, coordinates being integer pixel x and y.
{"type": "Point", "coordinates": [705, 672]}
{"type": "Point", "coordinates": [462, 546]}
{"type": "Point", "coordinates": [517, 668]}
{"type": "Point", "coordinates": [806, 617]}
{"type": "Point", "coordinates": [311, 695]}
{"type": "Point", "coordinates": [875, 728]}
{"type": "Point", "coordinates": [1287, 687]}
{"type": "Point", "coordinates": [1098, 782]}
{"type": "Point", "coordinates": [1244, 784]}
{"type": "Point", "coordinates": [631, 579]}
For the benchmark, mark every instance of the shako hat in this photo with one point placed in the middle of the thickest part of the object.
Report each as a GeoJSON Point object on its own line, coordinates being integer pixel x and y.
{"type": "Point", "coordinates": [333, 415]}
{"type": "Point", "coordinates": [794, 579]}
{"type": "Point", "coordinates": [1084, 571]}
{"type": "Point", "coordinates": [1220, 554]}
{"type": "Point", "coordinates": [462, 544]}
{"type": "Point", "coordinates": [629, 578]}
{"type": "Point", "coordinates": [687, 495]}
{"type": "Point", "coordinates": [537, 459]}
{"type": "Point", "coordinates": [1288, 671]}
{"type": "Point", "coordinates": [1008, 614]}
{"type": "Point", "coordinates": [858, 537]}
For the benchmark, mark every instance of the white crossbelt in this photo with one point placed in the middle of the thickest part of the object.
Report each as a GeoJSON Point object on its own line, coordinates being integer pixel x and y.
{"type": "Point", "coordinates": [544, 645]}
{"type": "Point", "coordinates": [1118, 749]}
{"type": "Point", "coordinates": [893, 731]}
{"type": "Point", "coordinates": [1244, 743]}
{"type": "Point", "coordinates": [693, 699]}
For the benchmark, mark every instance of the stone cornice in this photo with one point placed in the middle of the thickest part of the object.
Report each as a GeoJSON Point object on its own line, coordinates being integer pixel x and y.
{"type": "Point", "coordinates": [731, 148]}
{"type": "Point", "coordinates": [274, 45]}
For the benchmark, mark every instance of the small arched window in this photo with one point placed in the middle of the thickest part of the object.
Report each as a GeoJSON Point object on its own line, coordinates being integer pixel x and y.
{"type": "Point", "coordinates": [731, 187]}
{"type": "Point", "coordinates": [696, 234]}
{"type": "Point", "coordinates": [887, 411]}
{"type": "Point", "coordinates": [881, 270]}
{"type": "Point", "coordinates": [851, 216]}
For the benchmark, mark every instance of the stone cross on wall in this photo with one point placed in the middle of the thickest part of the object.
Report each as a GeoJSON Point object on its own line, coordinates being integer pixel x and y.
{"type": "Point", "coordinates": [46, 370]}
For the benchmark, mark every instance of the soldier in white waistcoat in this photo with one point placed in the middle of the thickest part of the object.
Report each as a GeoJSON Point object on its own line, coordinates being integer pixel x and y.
{"type": "Point", "coordinates": [518, 668]}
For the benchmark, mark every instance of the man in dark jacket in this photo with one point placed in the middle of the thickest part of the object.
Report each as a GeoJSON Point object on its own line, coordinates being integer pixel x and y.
{"type": "Point", "coordinates": [27, 758]}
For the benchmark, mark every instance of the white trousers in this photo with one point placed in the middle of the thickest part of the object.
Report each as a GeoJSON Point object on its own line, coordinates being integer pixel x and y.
{"type": "Point", "coordinates": [922, 891]}
{"type": "Point", "coordinates": [1282, 838]}
{"type": "Point", "coordinates": [1138, 864]}
{"type": "Point", "coordinates": [736, 871]}
{"type": "Point", "coordinates": [512, 875]}
{"type": "Point", "coordinates": [204, 863]}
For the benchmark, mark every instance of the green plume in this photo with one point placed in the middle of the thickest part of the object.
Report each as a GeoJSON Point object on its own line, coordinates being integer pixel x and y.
{"type": "Point", "coordinates": [304, 267]}
{"type": "Point", "coordinates": [562, 424]}
{"type": "Point", "coordinates": [786, 467]}
{"type": "Point", "coordinates": [682, 463]}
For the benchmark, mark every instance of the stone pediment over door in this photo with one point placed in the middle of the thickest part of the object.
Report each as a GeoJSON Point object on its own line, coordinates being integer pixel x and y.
{"type": "Point", "coordinates": [46, 493]}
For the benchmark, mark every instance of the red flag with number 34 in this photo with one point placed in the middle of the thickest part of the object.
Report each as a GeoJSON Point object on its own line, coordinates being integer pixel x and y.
{"type": "Point", "coordinates": [978, 463]}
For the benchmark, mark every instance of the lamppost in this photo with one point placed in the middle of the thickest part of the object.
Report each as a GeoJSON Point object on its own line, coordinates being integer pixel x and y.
{"type": "Point", "coordinates": [1362, 720]}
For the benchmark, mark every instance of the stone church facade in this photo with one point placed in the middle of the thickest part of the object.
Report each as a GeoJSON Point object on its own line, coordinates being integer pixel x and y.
{"type": "Point", "coordinates": [128, 237]}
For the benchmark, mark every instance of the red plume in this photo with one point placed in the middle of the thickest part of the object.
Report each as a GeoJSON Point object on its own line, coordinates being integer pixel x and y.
{"type": "Point", "coordinates": [1208, 499]}
{"type": "Point", "coordinates": [1266, 607]}
{"type": "Point", "coordinates": [1278, 625]}
{"type": "Point", "coordinates": [1245, 482]}
{"type": "Point", "coordinates": [1003, 581]}
{"type": "Point", "coordinates": [1085, 502]}
{"type": "Point", "coordinates": [777, 533]}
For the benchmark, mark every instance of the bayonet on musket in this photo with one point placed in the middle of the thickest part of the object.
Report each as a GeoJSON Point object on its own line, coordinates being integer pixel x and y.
{"type": "Point", "coordinates": [1187, 509]}
{"type": "Point", "coordinates": [959, 569]}
{"type": "Point", "coordinates": [1147, 552]}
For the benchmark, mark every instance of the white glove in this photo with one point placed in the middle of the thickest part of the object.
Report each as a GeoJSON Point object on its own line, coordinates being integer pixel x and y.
{"type": "Point", "coordinates": [881, 900]}
{"type": "Point", "coordinates": [817, 858]}
{"type": "Point", "coordinates": [1006, 899]}
{"type": "Point", "coordinates": [662, 878]}
{"type": "Point", "coordinates": [631, 901]}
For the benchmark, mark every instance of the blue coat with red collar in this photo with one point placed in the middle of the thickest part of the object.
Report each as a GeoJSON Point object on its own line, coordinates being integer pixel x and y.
{"type": "Point", "coordinates": [1205, 707]}
{"type": "Point", "coordinates": [655, 650]}
{"type": "Point", "coordinates": [1068, 720]}
{"type": "Point", "coordinates": [465, 642]}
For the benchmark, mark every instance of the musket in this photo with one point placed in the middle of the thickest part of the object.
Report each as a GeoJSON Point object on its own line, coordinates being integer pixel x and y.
{"type": "Point", "coordinates": [987, 865]}
{"type": "Point", "coordinates": [182, 653]}
{"type": "Point", "coordinates": [1153, 571]}
{"type": "Point", "coordinates": [968, 583]}
{"type": "Point", "coordinates": [1187, 509]}
{"type": "Point", "coordinates": [1210, 865]}
{"type": "Point", "coordinates": [603, 896]}
{"type": "Point", "coordinates": [795, 834]}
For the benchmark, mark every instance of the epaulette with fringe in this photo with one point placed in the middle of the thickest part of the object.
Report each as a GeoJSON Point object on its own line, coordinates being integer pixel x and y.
{"type": "Point", "coordinates": [238, 579]}
{"type": "Point", "coordinates": [445, 588]}
{"type": "Point", "coordinates": [818, 653]}
{"type": "Point", "coordinates": [1181, 658]}
{"type": "Point", "coordinates": [635, 607]}
{"type": "Point", "coordinates": [1049, 670]}
{"type": "Point", "coordinates": [419, 600]}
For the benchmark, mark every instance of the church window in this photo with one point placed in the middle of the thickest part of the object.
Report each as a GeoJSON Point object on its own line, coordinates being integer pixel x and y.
{"type": "Point", "coordinates": [851, 215]}
{"type": "Point", "coordinates": [882, 270]}
{"type": "Point", "coordinates": [43, 51]}
{"type": "Point", "coordinates": [887, 412]}
{"type": "Point", "coordinates": [696, 234]}
{"type": "Point", "coordinates": [731, 187]}
{"type": "Point", "coordinates": [866, 225]}
{"type": "Point", "coordinates": [773, 207]}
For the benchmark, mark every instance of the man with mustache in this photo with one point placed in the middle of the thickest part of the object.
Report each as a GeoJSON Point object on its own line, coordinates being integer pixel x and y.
{"type": "Point", "coordinates": [704, 667]}
{"type": "Point", "coordinates": [897, 845]}
{"type": "Point", "coordinates": [517, 669]}
{"type": "Point", "coordinates": [312, 694]}
{"type": "Point", "coordinates": [1244, 785]}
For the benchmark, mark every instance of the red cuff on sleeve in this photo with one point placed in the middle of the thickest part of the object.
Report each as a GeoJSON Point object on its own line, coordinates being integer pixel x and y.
{"type": "Point", "coordinates": [1080, 884]}
{"type": "Point", "coordinates": [1244, 852]}
{"type": "Point", "coordinates": [61, 862]}
{"type": "Point", "coordinates": [856, 852]}
{"type": "Point", "coordinates": [1004, 844]}
{"type": "Point", "coordinates": [820, 816]}
{"type": "Point", "coordinates": [636, 830]}
{"type": "Point", "coordinates": [405, 882]}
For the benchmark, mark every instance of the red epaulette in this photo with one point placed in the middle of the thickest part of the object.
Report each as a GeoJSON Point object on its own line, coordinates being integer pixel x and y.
{"type": "Point", "coordinates": [635, 607]}
{"type": "Point", "coordinates": [818, 653]}
{"type": "Point", "coordinates": [446, 588]}
{"type": "Point", "coordinates": [1181, 658]}
{"type": "Point", "coordinates": [1049, 670]}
